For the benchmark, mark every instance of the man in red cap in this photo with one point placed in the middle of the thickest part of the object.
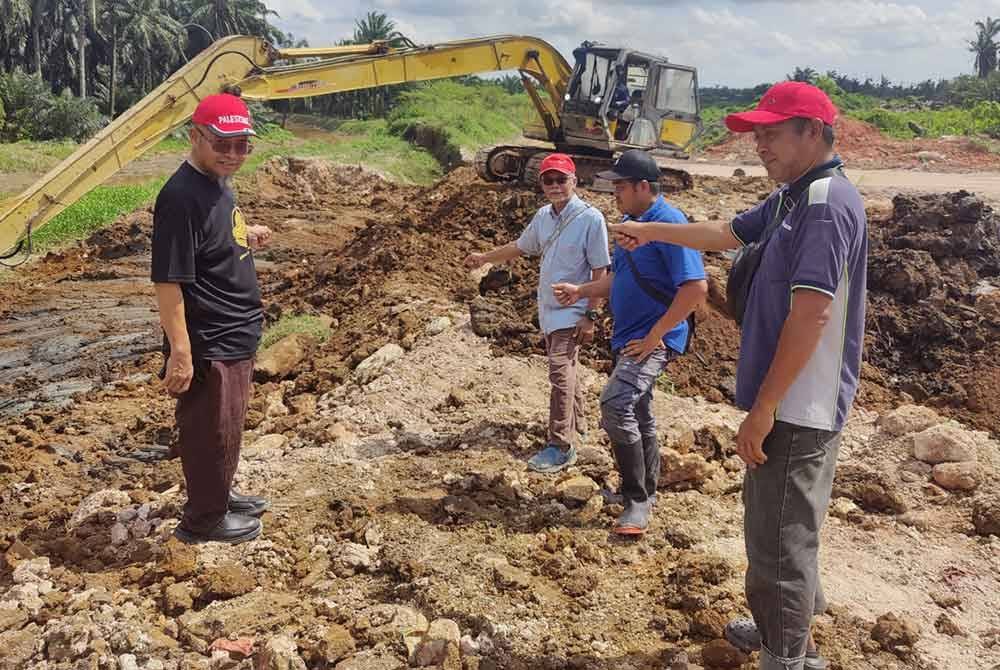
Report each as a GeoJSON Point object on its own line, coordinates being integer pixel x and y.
{"type": "Point", "coordinates": [570, 237]}
{"type": "Point", "coordinates": [800, 358]}
{"type": "Point", "coordinates": [211, 315]}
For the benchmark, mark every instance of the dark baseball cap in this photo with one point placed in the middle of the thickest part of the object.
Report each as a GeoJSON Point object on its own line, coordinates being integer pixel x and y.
{"type": "Point", "coordinates": [633, 164]}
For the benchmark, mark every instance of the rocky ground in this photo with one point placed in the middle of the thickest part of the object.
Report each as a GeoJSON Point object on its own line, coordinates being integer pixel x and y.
{"type": "Point", "coordinates": [406, 530]}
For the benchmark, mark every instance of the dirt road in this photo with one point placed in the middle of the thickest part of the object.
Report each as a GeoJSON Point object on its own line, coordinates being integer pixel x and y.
{"type": "Point", "coordinates": [872, 182]}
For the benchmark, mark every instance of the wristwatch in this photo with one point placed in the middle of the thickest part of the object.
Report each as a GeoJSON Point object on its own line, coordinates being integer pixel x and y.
{"type": "Point", "coordinates": [592, 314]}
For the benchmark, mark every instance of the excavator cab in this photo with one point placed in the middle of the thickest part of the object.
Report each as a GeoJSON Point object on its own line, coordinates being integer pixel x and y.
{"type": "Point", "coordinates": [620, 99]}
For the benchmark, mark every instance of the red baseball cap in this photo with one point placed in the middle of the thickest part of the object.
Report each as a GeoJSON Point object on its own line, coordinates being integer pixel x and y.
{"type": "Point", "coordinates": [225, 115]}
{"type": "Point", "coordinates": [559, 163]}
{"type": "Point", "coordinates": [783, 101]}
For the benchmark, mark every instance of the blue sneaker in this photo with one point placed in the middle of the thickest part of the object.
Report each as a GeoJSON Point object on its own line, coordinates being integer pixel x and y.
{"type": "Point", "coordinates": [552, 459]}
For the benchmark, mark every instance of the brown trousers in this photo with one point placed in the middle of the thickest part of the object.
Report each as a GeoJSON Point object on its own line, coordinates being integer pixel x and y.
{"type": "Point", "coordinates": [566, 415]}
{"type": "Point", "coordinates": [210, 418]}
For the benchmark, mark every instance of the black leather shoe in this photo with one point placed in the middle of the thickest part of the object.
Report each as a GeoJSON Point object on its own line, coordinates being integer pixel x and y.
{"type": "Point", "coordinates": [232, 529]}
{"type": "Point", "coordinates": [249, 505]}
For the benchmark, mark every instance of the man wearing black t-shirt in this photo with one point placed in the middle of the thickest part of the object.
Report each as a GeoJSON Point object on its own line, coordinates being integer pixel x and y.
{"type": "Point", "coordinates": [211, 314]}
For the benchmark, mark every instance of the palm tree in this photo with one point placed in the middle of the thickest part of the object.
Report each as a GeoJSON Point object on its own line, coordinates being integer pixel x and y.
{"type": "Point", "coordinates": [148, 31]}
{"type": "Point", "coordinates": [984, 47]}
{"type": "Point", "coordinates": [232, 17]}
{"type": "Point", "coordinates": [375, 26]}
{"type": "Point", "coordinates": [15, 19]}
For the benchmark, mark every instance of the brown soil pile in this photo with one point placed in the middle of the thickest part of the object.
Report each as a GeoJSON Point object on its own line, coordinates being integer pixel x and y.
{"type": "Point", "coordinates": [410, 250]}
{"type": "Point", "coordinates": [934, 303]}
{"type": "Point", "coordinates": [862, 145]}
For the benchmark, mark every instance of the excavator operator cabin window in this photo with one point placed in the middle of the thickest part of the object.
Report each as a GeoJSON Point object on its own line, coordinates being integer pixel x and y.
{"type": "Point", "coordinates": [594, 74]}
{"type": "Point", "coordinates": [676, 91]}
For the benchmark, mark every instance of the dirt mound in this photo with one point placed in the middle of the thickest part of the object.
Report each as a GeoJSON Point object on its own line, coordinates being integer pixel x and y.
{"type": "Point", "coordinates": [933, 293]}
{"type": "Point", "coordinates": [410, 252]}
{"type": "Point", "coordinates": [862, 145]}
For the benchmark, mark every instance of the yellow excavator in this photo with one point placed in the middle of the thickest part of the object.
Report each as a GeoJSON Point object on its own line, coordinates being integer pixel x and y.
{"type": "Point", "coordinates": [611, 100]}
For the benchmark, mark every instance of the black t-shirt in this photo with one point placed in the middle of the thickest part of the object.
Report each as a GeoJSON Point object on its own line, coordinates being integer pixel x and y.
{"type": "Point", "coordinates": [200, 242]}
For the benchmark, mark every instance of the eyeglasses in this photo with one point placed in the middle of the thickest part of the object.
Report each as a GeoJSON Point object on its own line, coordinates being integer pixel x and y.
{"type": "Point", "coordinates": [240, 147]}
{"type": "Point", "coordinates": [561, 179]}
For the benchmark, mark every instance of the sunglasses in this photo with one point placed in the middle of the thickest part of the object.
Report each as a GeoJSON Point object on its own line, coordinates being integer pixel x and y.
{"type": "Point", "coordinates": [241, 147]}
{"type": "Point", "coordinates": [550, 180]}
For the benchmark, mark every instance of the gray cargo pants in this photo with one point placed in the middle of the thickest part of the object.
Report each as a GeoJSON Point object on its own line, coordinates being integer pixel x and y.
{"type": "Point", "coordinates": [785, 502]}
{"type": "Point", "coordinates": [627, 416]}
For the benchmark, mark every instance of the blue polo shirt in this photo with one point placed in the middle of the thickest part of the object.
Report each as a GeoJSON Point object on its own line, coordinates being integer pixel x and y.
{"type": "Point", "coordinates": [821, 245]}
{"type": "Point", "coordinates": [666, 267]}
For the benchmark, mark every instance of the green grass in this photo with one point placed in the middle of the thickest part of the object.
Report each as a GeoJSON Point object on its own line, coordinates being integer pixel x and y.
{"type": "Point", "coordinates": [96, 209]}
{"type": "Point", "coordinates": [300, 323]}
{"type": "Point", "coordinates": [28, 156]}
{"type": "Point", "coordinates": [895, 118]}
{"type": "Point", "coordinates": [469, 116]}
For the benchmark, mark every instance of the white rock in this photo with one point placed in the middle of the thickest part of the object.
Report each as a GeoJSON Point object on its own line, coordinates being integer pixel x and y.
{"type": "Point", "coordinates": [356, 556]}
{"type": "Point", "coordinates": [957, 476]}
{"type": "Point", "coordinates": [907, 419]}
{"type": "Point", "coordinates": [107, 500]}
{"type": "Point", "coordinates": [371, 367]}
{"type": "Point", "coordinates": [438, 326]}
{"type": "Point", "coordinates": [32, 571]}
{"type": "Point", "coordinates": [127, 662]}
{"type": "Point", "coordinates": [280, 653]}
{"type": "Point", "coordinates": [266, 447]}
{"type": "Point", "coordinates": [945, 443]}
{"type": "Point", "coordinates": [119, 534]}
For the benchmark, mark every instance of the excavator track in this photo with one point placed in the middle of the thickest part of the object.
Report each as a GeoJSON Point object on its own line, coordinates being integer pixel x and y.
{"type": "Point", "coordinates": [513, 163]}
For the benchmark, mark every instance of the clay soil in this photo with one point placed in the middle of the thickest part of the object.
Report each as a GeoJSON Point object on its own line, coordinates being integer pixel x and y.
{"type": "Point", "coordinates": [422, 470]}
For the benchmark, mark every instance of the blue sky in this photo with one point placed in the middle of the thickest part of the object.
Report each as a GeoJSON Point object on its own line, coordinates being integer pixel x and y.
{"type": "Point", "coordinates": [731, 42]}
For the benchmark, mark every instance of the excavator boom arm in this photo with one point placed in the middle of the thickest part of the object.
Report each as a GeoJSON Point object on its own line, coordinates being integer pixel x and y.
{"type": "Point", "coordinates": [248, 62]}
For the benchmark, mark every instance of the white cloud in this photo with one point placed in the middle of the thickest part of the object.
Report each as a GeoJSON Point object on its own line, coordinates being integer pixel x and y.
{"type": "Point", "coordinates": [731, 41]}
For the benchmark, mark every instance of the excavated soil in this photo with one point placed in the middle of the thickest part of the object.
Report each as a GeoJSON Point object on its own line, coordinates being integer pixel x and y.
{"type": "Point", "coordinates": [862, 145]}
{"type": "Point", "coordinates": [407, 496]}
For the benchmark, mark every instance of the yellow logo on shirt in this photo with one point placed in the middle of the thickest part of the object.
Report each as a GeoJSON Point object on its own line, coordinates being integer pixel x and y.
{"type": "Point", "coordinates": [240, 231]}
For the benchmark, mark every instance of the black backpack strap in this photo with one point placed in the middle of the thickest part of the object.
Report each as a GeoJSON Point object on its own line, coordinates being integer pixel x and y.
{"type": "Point", "coordinates": [659, 296]}
{"type": "Point", "coordinates": [789, 197]}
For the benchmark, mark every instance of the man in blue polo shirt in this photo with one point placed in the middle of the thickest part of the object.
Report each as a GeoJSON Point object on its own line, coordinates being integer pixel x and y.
{"type": "Point", "coordinates": [800, 359]}
{"type": "Point", "coordinates": [653, 291]}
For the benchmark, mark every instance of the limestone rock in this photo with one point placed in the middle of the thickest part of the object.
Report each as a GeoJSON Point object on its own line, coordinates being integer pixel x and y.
{"type": "Point", "coordinates": [12, 618]}
{"type": "Point", "coordinates": [388, 623]}
{"type": "Point", "coordinates": [986, 515]}
{"type": "Point", "coordinates": [437, 326]}
{"type": "Point", "coordinates": [594, 456]}
{"type": "Point", "coordinates": [177, 598]}
{"type": "Point", "coordinates": [439, 646]}
{"type": "Point", "coordinates": [257, 610]}
{"type": "Point", "coordinates": [354, 558]}
{"type": "Point", "coordinates": [32, 571]}
{"type": "Point", "coordinates": [266, 447]}
{"type": "Point", "coordinates": [957, 476]}
{"type": "Point", "coordinates": [577, 490]}
{"type": "Point", "coordinates": [908, 419]}
{"type": "Point", "coordinates": [378, 658]}
{"type": "Point", "coordinates": [280, 653]}
{"type": "Point", "coordinates": [945, 443]}
{"type": "Point", "coordinates": [304, 404]}
{"type": "Point", "coordinates": [279, 359]}
{"type": "Point", "coordinates": [684, 470]}
{"type": "Point", "coordinates": [107, 501]}
{"type": "Point", "coordinates": [335, 643]}
{"type": "Point", "coordinates": [372, 367]}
